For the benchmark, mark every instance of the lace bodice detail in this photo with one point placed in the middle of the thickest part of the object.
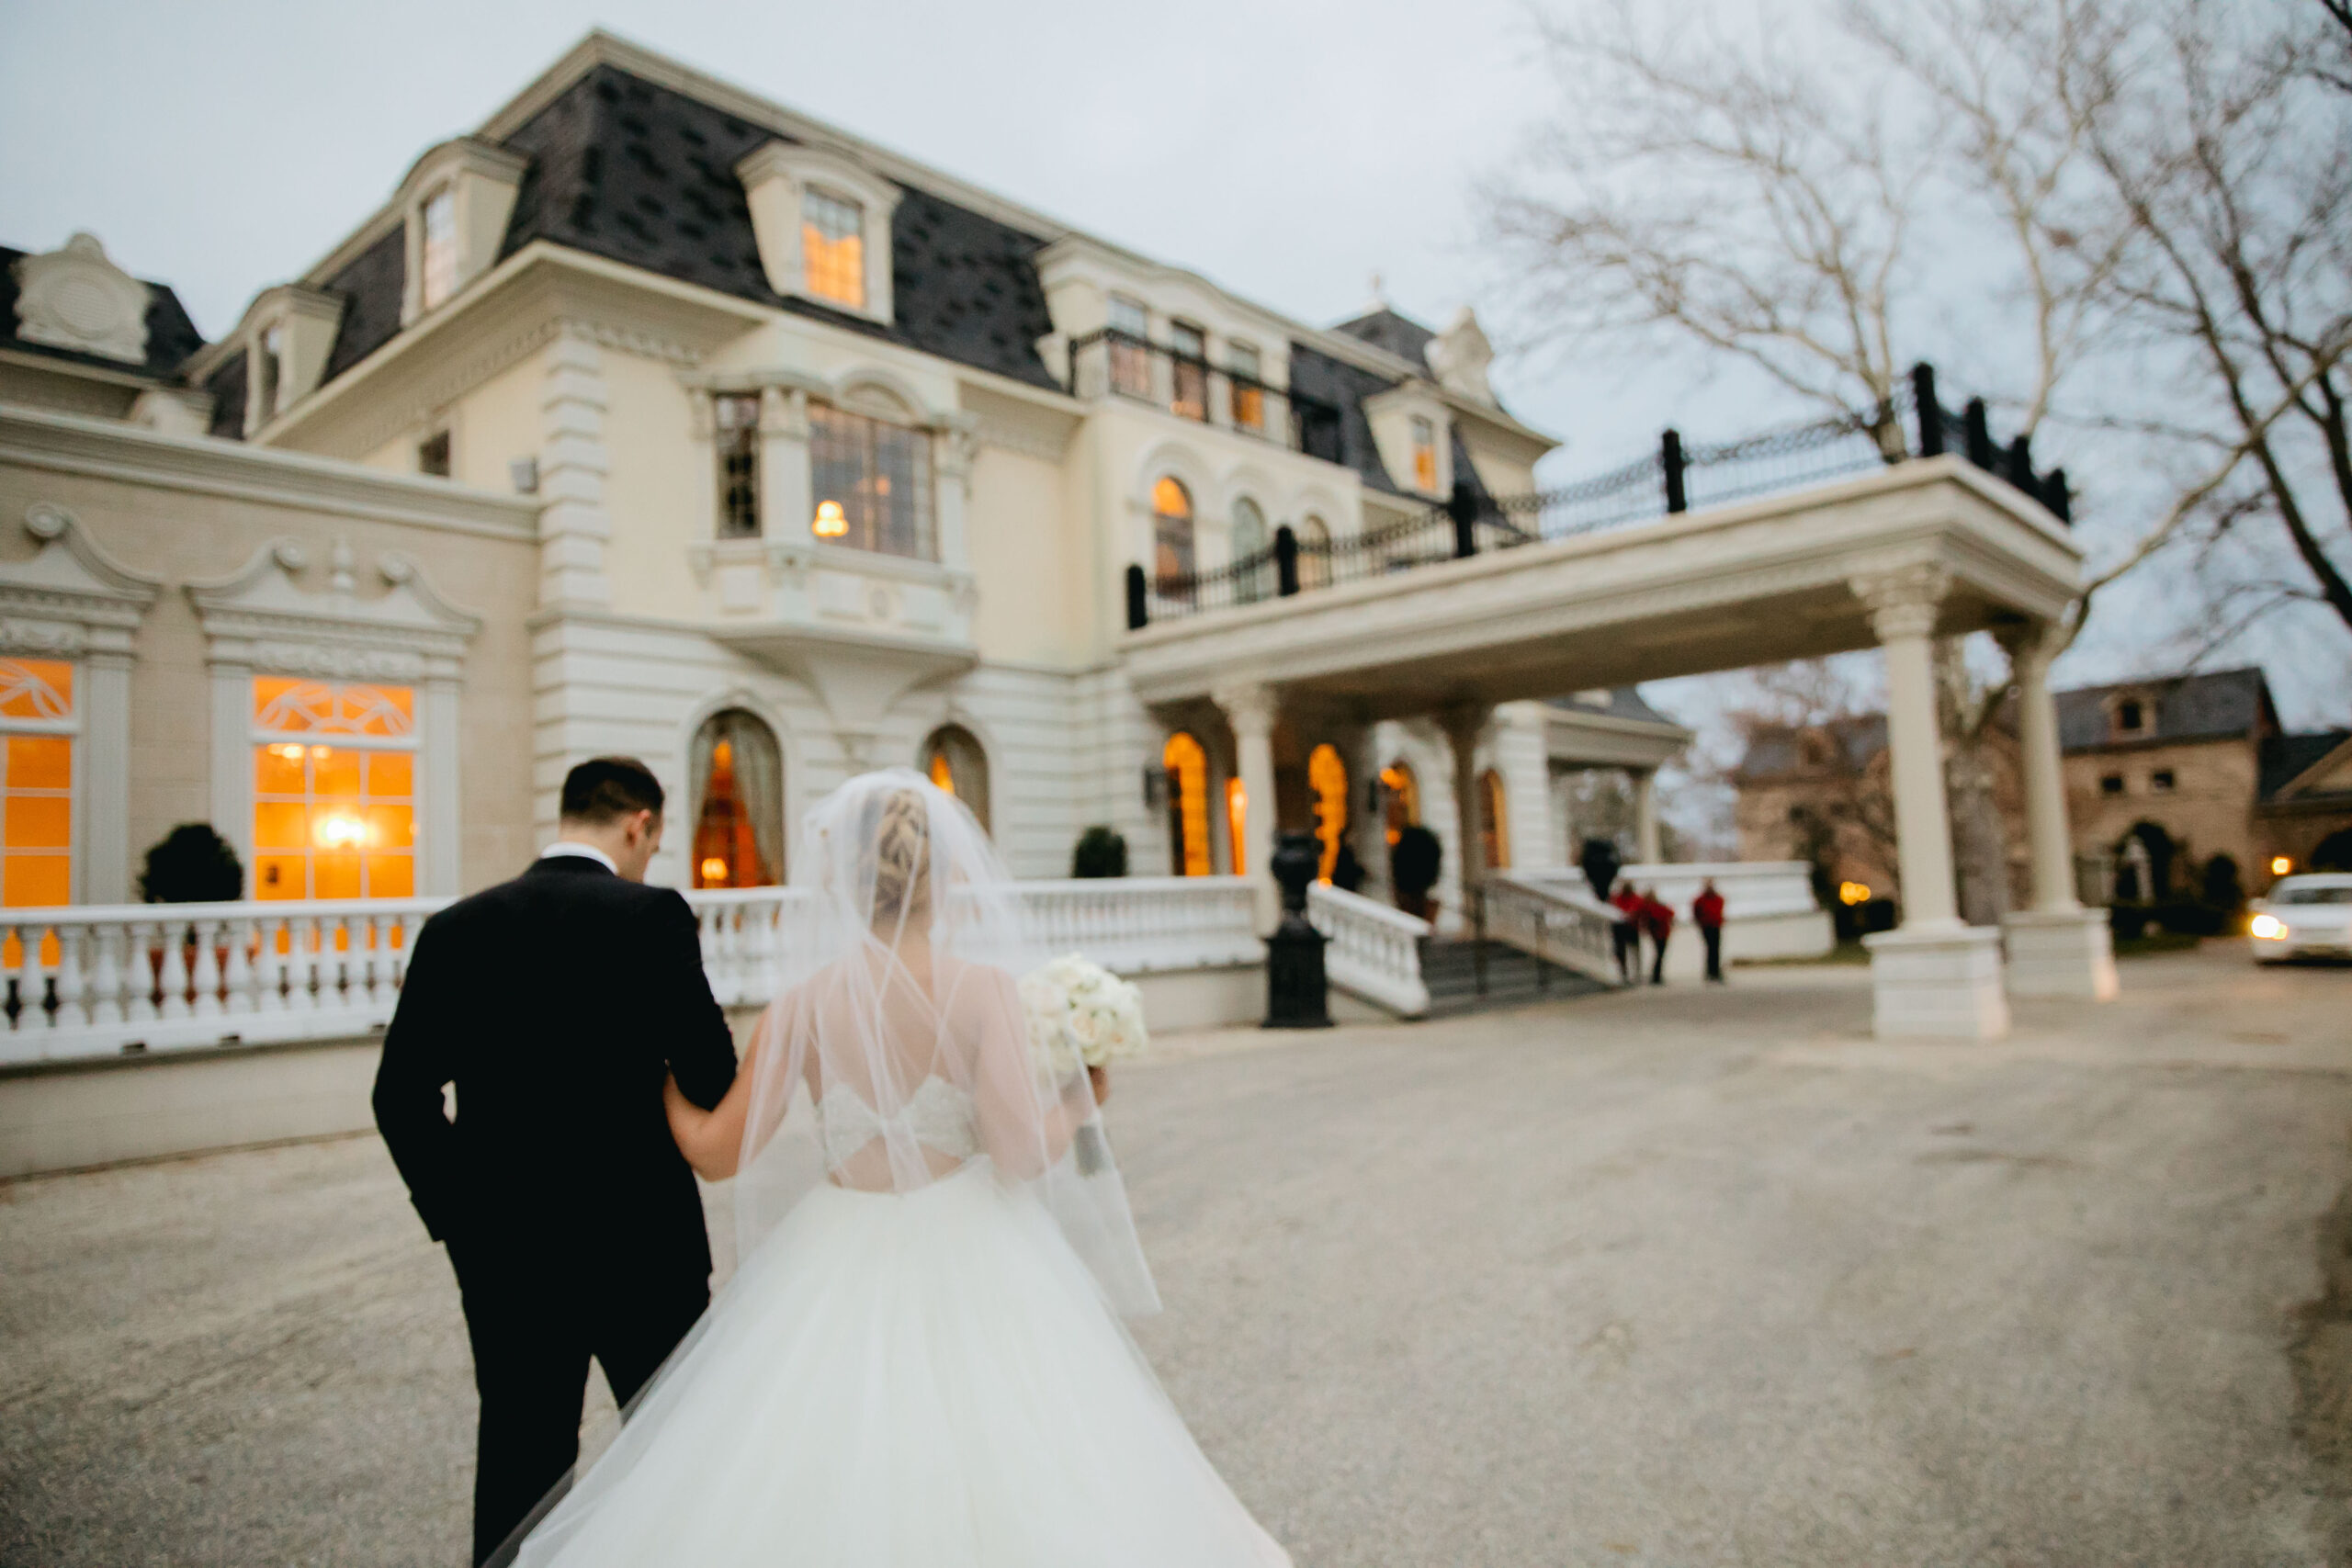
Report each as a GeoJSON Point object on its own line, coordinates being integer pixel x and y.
{"type": "Point", "coordinates": [938, 1115]}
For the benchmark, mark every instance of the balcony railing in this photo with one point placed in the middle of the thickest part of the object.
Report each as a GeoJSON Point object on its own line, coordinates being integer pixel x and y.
{"type": "Point", "coordinates": [103, 981]}
{"type": "Point", "coordinates": [1112, 362]}
{"type": "Point", "coordinates": [1670, 478]}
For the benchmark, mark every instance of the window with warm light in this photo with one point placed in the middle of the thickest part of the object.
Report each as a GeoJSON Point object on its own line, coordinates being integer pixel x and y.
{"type": "Point", "coordinates": [1326, 776]}
{"type": "Point", "coordinates": [832, 247]}
{"type": "Point", "coordinates": [1130, 356]}
{"type": "Point", "coordinates": [1237, 824]}
{"type": "Point", "coordinates": [1188, 805]}
{"type": "Point", "coordinates": [437, 279]}
{"type": "Point", "coordinates": [735, 423]}
{"type": "Point", "coordinates": [334, 789]}
{"type": "Point", "coordinates": [1172, 531]}
{"type": "Point", "coordinates": [873, 484]}
{"type": "Point", "coordinates": [1424, 456]}
{"type": "Point", "coordinates": [1190, 386]}
{"type": "Point", "coordinates": [1248, 393]}
{"type": "Point", "coordinates": [37, 727]}
{"type": "Point", "coordinates": [737, 784]}
{"type": "Point", "coordinates": [953, 760]}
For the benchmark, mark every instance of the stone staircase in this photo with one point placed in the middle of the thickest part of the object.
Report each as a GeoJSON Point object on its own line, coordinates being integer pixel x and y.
{"type": "Point", "coordinates": [1450, 969]}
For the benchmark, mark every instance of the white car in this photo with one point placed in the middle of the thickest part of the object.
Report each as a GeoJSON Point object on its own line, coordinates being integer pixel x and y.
{"type": "Point", "coordinates": [2305, 917]}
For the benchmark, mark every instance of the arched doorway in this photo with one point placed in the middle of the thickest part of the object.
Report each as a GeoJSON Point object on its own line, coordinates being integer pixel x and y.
{"type": "Point", "coordinates": [1327, 778]}
{"type": "Point", "coordinates": [1188, 805]}
{"type": "Point", "coordinates": [1313, 554]}
{"type": "Point", "coordinates": [953, 760]}
{"type": "Point", "coordinates": [1401, 795]}
{"type": "Point", "coordinates": [737, 783]}
{"type": "Point", "coordinates": [2143, 864]}
{"type": "Point", "coordinates": [1171, 538]}
{"type": "Point", "coordinates": [1248, 540]}
{"type": "Point", "coordinates": [1494, 823]}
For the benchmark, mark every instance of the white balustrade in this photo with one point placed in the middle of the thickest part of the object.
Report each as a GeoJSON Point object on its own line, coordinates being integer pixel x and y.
{"type": "Point", "coordinates": [1557, 919]}
{"type": "Point", "coordinates": [1769, 908]}
{"type": "Point", "coordinates": [103, 980]}
{"type": "Point", "coordinates": [1371, 950]}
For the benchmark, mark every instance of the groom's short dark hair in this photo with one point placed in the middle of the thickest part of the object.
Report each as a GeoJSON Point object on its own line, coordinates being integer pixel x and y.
{"type": "Point", "coordinates": [604, 789]}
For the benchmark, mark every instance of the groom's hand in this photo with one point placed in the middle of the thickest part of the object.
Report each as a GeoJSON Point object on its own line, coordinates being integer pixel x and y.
{"type": "Point", "coordinates": [1101, 1078]}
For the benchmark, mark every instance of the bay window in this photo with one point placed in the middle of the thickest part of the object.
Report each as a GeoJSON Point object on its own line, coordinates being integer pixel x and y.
{"type": "Point", "coordinates": [737, 420]}
{"type": "Point", "coordinates": [872, 483]}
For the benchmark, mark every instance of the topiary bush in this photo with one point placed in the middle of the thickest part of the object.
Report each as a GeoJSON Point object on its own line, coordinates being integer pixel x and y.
{"type": "Point", "coordinates": [193, 865]}
{"type": "Point", "coordinates": [1100, 852]}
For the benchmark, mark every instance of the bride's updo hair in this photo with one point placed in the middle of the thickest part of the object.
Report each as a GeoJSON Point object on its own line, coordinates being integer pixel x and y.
{"type": "Point", "coordinates": [901, 849]}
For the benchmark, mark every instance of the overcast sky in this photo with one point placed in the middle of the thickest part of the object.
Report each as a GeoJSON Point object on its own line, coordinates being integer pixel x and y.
{"type": "Point", "coordinates": [1287, 149]}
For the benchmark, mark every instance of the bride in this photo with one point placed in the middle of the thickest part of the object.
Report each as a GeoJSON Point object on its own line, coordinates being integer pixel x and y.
{"type": "Point", "coordinates": [919, 1361]}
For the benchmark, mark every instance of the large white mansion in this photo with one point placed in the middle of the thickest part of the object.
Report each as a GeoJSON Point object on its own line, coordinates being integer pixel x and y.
{"type": "Point", "coordinates": [653, 418]}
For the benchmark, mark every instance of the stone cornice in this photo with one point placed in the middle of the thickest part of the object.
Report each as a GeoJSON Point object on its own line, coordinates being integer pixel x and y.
{"type": "Point", "coordinates": [261, 617]}
{"type": "Point", "coordinates": [110, 449]}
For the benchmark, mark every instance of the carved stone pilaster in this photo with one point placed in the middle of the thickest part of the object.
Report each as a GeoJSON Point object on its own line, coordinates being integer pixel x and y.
{"type": "Point", "coordinates": [1903, 601]}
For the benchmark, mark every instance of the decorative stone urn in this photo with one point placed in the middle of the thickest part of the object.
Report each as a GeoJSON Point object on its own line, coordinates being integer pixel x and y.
{"type": "Point", "coordinates": [1296, 996]}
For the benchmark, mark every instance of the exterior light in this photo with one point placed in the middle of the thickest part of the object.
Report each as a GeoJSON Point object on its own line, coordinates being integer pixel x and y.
{"type": "Point", "coordinates": [713, 871]}
{"type": "Point", "coordinates": [2270, 928]}
{"type": "Point", "coordinates": [2281, 864]}
{"type": "Point", "coordinates": [1853, 893]}
{"type": "Point", "coordinates": [831, 521]}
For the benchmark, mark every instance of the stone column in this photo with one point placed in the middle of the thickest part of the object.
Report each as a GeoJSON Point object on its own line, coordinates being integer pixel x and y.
{"type": "Point", "coordinates": [103, 839]}
{"type": "Point", "coordinates": [1463, 726]}
{"type": "Point", "coordinates": [958, 449]}
{"type": "Point", "coordinates": [1648, 849]}
{"type": "Point", "coordinates": [1935, 976]}
{"type": "Point", "coordinates": [1522, 752]}
{"type": "Point", "coordinates": [2057, 948]}
{"type": "Point", "coordinates": [1251, 708]}
{"type": "Point", "coordinates": [788, 502]}
{"type": "Point", "coordinates": [573, 522]}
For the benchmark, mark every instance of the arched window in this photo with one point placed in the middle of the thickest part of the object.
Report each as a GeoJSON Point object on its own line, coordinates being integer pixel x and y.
{"type": "Point", "coordinates": [953, 760]}
{"type": "Point", "coordinates": [1250, 540]}
{"type": "Point", "coordinates": [1237, 824]}
{"type": "Point", "coordinates": [1188, 806]}
{"type": "Point", "coordinates": [1313, 554]}
{"type": "Point", "coordinates": [1402, 792]}
{"type": "Point", "coordinates": [1494, 823]}
{"type": "Point", "coordinates": [1171, 535]}
{"type": "Point", "coordinates": [1326, 776]}
{"type": "Point", "coordinates": [738, 786]}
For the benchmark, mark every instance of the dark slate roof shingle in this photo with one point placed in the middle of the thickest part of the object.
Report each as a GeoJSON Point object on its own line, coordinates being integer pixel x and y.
{"type": "Point", "coordinates": [1622, 702]}
{"type": "Point", "coordinates": [1774, 750]}
{"type": "Point", "coordinates": [371, 284]}
{"type": "Point", "coordinates": [171, 336]}
{"type": "Point", "coordinates": [1400, 335]}
{"type": "Point", "coordinates": [2224, 704]}
{"type": "Point", "coordinates": [1334, 382]}
{"type": "Point", "coordinates": [227, 385]}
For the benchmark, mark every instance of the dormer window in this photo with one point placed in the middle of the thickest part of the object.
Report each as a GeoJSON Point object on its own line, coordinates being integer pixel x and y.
{"type": "Point", "coordinates": [1424, 455]}
{"type": "Point", "coordinates": [269, 370]}
{"type": "Point", "coordinates": [824, 226]}
{"type": "Point", "coordinates": [832, 247]}
{"type": "Point", "coordinates": [2131, 718]}
{"type": "Point", "coordinates": [438, 250]}
{"type": "Point", "coordinates": [286, 335]}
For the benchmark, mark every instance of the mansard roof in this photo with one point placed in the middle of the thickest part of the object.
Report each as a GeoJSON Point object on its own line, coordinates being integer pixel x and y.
{"type": "Point", "coordinates": [1315, 374]}
{"type": "Point", "coordinates": [2232, 704]}
{"type": "Point", "coordinates": [171, 336]}
{"type": "Point", "coordinates": [1400, 335]}
{"type": "Point", "coordinates": [2285, 758]}
{"type": "Point", "coordinates": [1617, 701]}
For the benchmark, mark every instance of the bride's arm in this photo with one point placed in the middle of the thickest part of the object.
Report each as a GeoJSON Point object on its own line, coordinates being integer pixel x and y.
{"type": "Point", "coordinates": [712, 1140]}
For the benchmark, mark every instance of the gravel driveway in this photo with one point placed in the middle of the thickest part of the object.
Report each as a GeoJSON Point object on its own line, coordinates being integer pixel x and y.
{"type": "Point", "coordinates": [1673, 1277]}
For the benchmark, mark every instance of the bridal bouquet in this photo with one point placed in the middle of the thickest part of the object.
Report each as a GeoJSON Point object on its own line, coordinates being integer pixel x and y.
{"type": "Point", "coordinates": [1080, 1015]}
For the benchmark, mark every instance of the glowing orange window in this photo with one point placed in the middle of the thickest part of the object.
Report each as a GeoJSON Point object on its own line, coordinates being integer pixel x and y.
{"type": "Point", "coordinates": [1424, 456]}
{"type": "Point", "coordinates": [37, 723]}
{"type": "Point", "coordinates": [334, 790]}
{"type": "Point", "coordinates": [1188, 804]}
{"type": "Point", "coordinates": [832, 248]}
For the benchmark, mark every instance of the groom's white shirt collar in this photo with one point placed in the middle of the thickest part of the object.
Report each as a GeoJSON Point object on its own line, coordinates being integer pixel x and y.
{"type": "Point", "coordinates": [590, 851]}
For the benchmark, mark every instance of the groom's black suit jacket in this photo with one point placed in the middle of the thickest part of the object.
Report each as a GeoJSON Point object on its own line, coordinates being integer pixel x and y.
{"type": "Point", "coordinates": [555, 1003]}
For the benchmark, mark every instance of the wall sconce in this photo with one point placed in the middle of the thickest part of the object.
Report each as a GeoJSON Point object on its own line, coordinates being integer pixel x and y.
{"type": "Point", "coordinates": [832, 522]}
{"type": "Point", "coordinates": [1159, 787]}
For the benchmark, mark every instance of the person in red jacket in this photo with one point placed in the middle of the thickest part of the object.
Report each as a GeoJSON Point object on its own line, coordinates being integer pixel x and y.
{"type": "Point", "coordinates": [1707, 910]}
{"type": "Point", "coordinates": [1657, 922]}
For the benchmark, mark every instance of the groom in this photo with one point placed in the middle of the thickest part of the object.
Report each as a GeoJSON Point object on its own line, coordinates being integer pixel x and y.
{"type": "Point", "coordinates": [555, 1004]}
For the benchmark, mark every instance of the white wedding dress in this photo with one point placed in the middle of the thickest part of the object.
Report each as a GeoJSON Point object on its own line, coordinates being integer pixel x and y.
{"type": "Point", "coordinates": [924, 1373]}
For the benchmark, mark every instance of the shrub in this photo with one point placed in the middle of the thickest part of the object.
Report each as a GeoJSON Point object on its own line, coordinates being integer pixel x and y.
{"type": "Point", "coordinates": [2222, 889]}
{"type": "Point", "coordinates": [1413, 863]}
{"type": "Point", "coordinates": [192, 865]}
{"type": "Point", "coordinates": [2128, 921]}
{"type": "Point", "coordinates": [2185, 917]}
{"type": "Point", "coordinates": [1100, 853]}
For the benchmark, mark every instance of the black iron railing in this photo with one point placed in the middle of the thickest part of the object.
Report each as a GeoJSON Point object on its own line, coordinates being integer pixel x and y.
{"type": "Point", "coordinates": [1672, 478]}
{"type": "Point", "coordinates": [1112, 362]}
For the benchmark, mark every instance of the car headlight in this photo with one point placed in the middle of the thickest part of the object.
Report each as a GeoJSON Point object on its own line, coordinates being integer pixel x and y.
{"type": "Point", "coordinates": [2270, 928]}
